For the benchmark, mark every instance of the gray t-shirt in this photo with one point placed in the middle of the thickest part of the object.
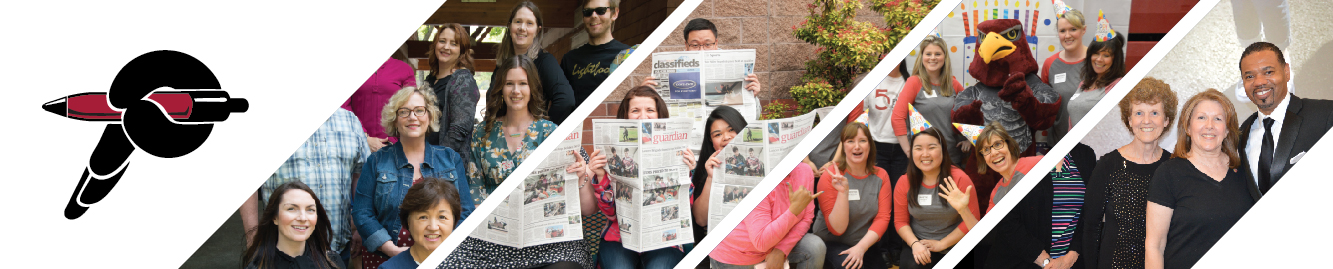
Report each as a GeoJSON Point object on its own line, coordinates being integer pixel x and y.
{"type": "Point", "coordinates": [937, 110]}
{"type": "Point", "coordinates": [1001, 190]}
{"type": "Point", "coordinates": [1064, 78]}
{"type": "Point", "coordinates": [1082, 102]}
{"type": "Point", "coordinates": [934, 221]}
{"type": "Point", "coordinates": [861, 212]}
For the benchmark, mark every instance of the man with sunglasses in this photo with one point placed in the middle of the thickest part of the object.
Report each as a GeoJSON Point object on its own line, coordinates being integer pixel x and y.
{"type": "Point", "coordinates": [588, 65]}
{"type": "Point", "coordinates": [701, 34]}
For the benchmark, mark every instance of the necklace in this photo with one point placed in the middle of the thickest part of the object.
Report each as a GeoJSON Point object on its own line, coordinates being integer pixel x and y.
{"type": "Point", "coordinates": [515, 134]}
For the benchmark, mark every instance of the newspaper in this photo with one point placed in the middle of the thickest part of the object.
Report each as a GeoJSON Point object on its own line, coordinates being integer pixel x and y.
{"type": "Point", "coordinates": [693, 83]}
{"type": "Point", "coordinates": [651, 182]}
{"type": "Point", "coordinates": [547, 210]}
{"type": "Point", "coordinates": [749, 157]}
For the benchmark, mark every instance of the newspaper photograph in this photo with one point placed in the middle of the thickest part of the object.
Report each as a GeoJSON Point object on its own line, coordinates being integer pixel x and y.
{"type": "Point", "coordinates": [649, 179]}
{"type": "Point", "coordinates": [545, 209]}
{"type": "Point", "coordinates": [693, 83]}
{"type": "Point", "coordinates": [749, 157]}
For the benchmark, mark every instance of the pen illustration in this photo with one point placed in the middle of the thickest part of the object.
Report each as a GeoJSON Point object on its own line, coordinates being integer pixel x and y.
{"type": "Point", "coordinates": [168, 123]}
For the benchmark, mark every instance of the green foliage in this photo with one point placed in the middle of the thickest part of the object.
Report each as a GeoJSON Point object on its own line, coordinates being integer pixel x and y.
{"type": "Point", "coordinates": [776, 110]}
{"type": "Point", "coordinates": [848, 47]}
{"type": "Point", "coordinates": [816, 94]}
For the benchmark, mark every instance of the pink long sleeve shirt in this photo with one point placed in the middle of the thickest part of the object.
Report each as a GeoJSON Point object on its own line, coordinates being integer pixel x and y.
{"type": "Point", "coordinates": [771, 225]}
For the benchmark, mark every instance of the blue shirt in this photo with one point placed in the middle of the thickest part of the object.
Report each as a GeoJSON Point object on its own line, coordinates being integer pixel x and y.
{"type": "Point", "coordinates": [326, 163]}
{"type": "Point", "coordinates": [384, 182]}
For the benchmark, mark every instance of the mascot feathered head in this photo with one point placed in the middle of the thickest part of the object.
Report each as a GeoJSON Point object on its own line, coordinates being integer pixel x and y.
{"type": "Point", "coordinates": [1002, 49]}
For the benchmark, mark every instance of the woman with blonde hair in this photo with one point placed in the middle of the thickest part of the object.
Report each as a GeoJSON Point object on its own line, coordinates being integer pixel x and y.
{"type": "Point", "coordinates": [930, 90]}
{"type": "Point", "coordinates": [450, 78]}
{"type": "Point", "coordinates": [1064, 70]}
{"type": "Point", "coordinates": [1197, 195]}
{"type": "Point", "coordinates": [387, 174]}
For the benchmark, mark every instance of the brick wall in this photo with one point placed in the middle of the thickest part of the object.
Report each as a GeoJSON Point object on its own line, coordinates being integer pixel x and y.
{"type": "Point", "coordinates": [762, 25]}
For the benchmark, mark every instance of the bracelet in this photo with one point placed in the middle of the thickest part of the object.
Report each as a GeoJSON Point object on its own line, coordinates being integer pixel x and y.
{"type": "Point", "coordinates": [913, 243]}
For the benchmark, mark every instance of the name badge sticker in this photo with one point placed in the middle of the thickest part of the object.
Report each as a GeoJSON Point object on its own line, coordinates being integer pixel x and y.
{"type": "Point", "coordinates": [924, 199]}
{"type": "Point", "coordinates": [1058, 78]}
{"type": "Point", "coordinates": [853, 195]}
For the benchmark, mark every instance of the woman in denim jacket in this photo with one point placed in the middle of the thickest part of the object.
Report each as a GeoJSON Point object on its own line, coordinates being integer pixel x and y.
{"type": "Point", "coordinates": [388, 173]}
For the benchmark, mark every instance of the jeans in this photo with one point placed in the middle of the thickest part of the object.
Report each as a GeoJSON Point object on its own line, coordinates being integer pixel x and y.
{"type": "Point", "coordinates": [614, 255]}
{"type": "Point", "coordinates": [807, 254]}
{"type": "Point", "coordinates": [870, 260]}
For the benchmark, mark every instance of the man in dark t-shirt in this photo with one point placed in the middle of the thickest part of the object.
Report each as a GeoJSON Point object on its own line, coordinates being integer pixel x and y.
{"type": "Point", "coordinates": [588, 65]}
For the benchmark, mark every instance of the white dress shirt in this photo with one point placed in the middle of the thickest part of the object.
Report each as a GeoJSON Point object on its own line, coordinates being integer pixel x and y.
{"type": "Point", "coordinates": [1254, 146]}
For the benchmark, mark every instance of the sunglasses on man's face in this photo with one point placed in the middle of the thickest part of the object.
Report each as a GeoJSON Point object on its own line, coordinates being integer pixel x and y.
{"type": "Point", "coordinates": [587, 12]}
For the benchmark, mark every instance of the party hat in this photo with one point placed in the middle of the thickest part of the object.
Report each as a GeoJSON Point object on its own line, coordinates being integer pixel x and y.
{"type": "Point", "coordinates": [1061, 8]}
{"type": "Point", "coordinates": [1104, 31]}
{"type": "Point", "coordinates": [969, 131]}
{"type": "Point", "coordinates": [919, 123]}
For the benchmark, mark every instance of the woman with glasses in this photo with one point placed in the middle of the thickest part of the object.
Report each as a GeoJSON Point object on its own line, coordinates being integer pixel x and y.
{"type": "Point", "coordinates": [389, 172]}
{"type": "Point", "coordinates": [999, 152]}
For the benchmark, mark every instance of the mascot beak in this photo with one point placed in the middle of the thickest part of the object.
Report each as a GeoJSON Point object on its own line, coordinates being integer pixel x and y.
{"type": "Point", "coordinates": [994, 47]}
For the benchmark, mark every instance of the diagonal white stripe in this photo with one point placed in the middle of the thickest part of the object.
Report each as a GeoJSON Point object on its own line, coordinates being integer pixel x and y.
{"type": "Point", "coordinates": [592, 102]}
{"type": "Point", "coordinates": [702, 248]}
{"type": "Point", "coordinates": [1061, 148]}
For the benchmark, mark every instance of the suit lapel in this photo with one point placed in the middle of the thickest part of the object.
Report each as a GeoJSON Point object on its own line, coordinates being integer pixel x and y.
{"type": "Point", "coordinates": [1245, 139]}
{"type": "Point", "coordinates": [1291, 128]}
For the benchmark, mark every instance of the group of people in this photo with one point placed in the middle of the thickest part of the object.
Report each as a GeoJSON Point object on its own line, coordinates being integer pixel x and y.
{"type": "Point", "coordinates": [622, 165]}
{"type": "Point", "coordinates": [1142, 206]}
{"type": "Point", "coordinates": [598, 192]}
{"type": "Point", "coordinates": [546, 186]}
{"type": "Point", "coordinates": [402, 162]}
{"type": "Point", "coordinates": [924, 184]}
{"type": "Point", "coordinates": [734, 194]}
{"type": "Point", "coordinates": [745, 165]}
{"type": "Point", "coordinates": [842, 225]}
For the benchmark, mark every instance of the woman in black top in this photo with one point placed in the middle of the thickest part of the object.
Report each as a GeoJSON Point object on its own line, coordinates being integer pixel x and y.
{"type": "Point", "coordinates": [721, 126]}
{"type": "Point", "coordinates": [1118, 189]}
{"type": "Point", "coordinates": [451, 79]}
{"type": "Point", "coordinates": [1196, 196]}
{"type": "Point", "coordinates": [524, 33]}
{"type": "Point", "coordinates": [294, 232]}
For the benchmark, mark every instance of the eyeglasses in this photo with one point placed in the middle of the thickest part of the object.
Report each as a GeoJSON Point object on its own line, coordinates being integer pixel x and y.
{"type": "Point", "coordinates": [996, 147]}
{"type": "Point", "coordinates": [703, 46]}
{"type": "Point", "coordinates": [415, 112]}
{"type": "Point", "coordinates": [587, 12]}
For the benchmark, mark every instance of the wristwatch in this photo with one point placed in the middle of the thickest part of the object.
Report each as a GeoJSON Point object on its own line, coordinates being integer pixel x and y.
{"type": "Point", "coordinates": [1045, 262]}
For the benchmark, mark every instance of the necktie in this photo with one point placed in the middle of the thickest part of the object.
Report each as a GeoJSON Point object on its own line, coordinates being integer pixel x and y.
{"type": "Point", "coordinates": [1266, 158]}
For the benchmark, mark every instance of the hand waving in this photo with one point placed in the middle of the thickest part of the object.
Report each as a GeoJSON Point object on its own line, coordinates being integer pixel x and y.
{"type": "Point", "coordinates": [957, 199]}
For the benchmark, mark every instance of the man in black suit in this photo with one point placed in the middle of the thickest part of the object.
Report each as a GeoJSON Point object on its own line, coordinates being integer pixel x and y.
{"type": "Point", "coordinates": [1286, 126]}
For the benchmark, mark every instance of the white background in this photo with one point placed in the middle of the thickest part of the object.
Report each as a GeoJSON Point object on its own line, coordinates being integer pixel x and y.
{"type": "Point", "coordinates": [295, 61]}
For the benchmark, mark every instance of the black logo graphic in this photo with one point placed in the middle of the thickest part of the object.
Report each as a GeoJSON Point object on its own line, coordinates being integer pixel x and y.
{"type": "Point", "coordinates": [166, 124]}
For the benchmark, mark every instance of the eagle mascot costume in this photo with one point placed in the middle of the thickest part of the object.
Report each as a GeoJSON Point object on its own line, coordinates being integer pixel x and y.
{"type": "Point", "coordinates": [1008, 89]}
